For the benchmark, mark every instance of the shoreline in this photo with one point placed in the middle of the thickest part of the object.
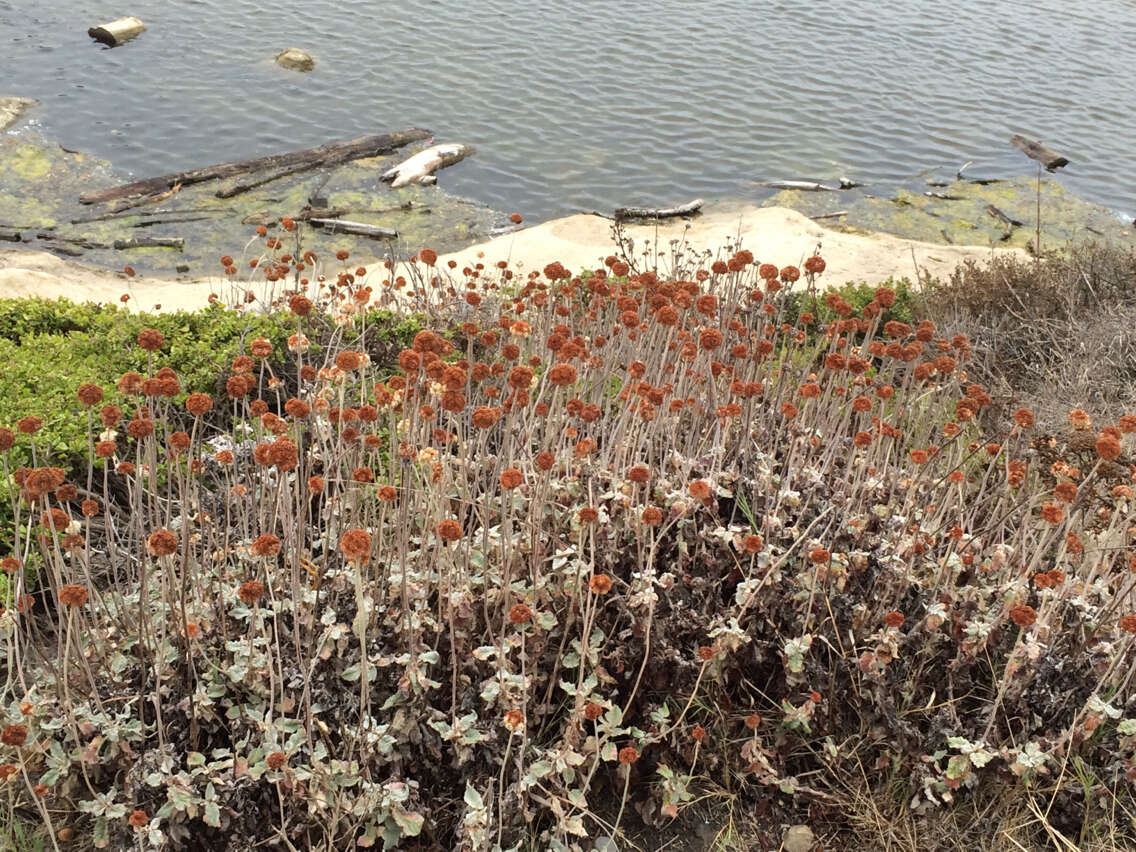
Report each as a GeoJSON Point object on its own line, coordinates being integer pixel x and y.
{"type": "Point", "coordinates": [774, 234]}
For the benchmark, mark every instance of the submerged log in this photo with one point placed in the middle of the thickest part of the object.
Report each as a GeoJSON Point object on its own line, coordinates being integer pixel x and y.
{"type": "Point", "coordinates": [117, 32]}
{"type": "Point", "coordinates": [1036, 151]}
{"type": "Point", "coordinates": [333, 153]}
{"type": "Point", "coordinates": [150, 242]}
{"type": "Point", "coordinates": [252, 183]}
{"type": "Point", "coordinates": [688, 209]}
{"type": "Point", "coordinates": [359, 229]}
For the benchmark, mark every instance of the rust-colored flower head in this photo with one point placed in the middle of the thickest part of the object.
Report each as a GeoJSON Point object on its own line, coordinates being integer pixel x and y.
{"type": "Point", "coordinates": [1052, 513]}
{"type": "Point", "coordinates": [1080, 420]}
{"type": "Point", "coordinates": [355, 544]}
{"type": "Point", "coordinates": [7, 770]}
{"type": "Point", "coordinates": [138, 818]}
{"type": "Point", "coordinates": [73, 595]}
{"type": "Point", "coordinates": [588, 515]}
{"type": "Point", "coordinates": [895, 618]}
{"type": "Point", "coordinates": [698, 734]}
{"type": "Point", "coordinates": [520, 614]}
{"type": "Point", "coordinates": [449, 530]}
{"type": "Point", "coordinates": [266, 545]}
{"type": "Point", "coordinates": [652, 516]}
{"type": "Point", "coordinates": [1128, 623]}
{"type": "Point", "coordinates": [562, 374]}
{"type": "Point", "coordinates": [162, 543]}
{"type": "Point", "coordinates": [1023, 615]}
{"type": "Point", "coordinates": [628, 755]}
{"type": "Point", "coordinates": [1108, 448]}
{"type": "Point", "coordinates": [815, 265]}
{"type": "Point", "coordinates": [699, 489]}
{"type": "Point", "coordinates": [511, 478]}
{"type": "Point", "coordinates": [600, 584]}
{"type": "Point", "coordinates": [428, 256]}
{"type": "Point", "coordinates": [819, 556]}
{"type": "Point", "coordinates": [348, 361]}
{"type": "Point", "coordinates": [277, 760]}
{"type": "Point", "coordinates": [7, 439]}
{"type": "Point", "coordinates": [90, 394]}
{"type": "Point", "coordinates": [545, 460]}
{"type": "Point", "coordinates": [10, 564]}
{"type": "Point", "coordinates": [151, 339]}
{"type": "Point", "coordinates": [1024, 418]}
{"type": "Point", "coordinates": [300, 305]}
{"type": "Point", "coordinates": [179, 441]}
{"type": "Point", "coordinates": [753, 721]}
{"type": "Point", "coordinates": [706, 653]}
{"type": "Point", "coordinates": [29, 425]}
{"type": "Point", "coordinates": [55, 519]}
{"type": "Point", "coordinates": [14, 735]}
{"type": "Point", "coordinates": [514, 720]}
{"type": "Point", "coordinates": [251, 591]}
{"type": "Point", "coordinates": [198, 404]}
{"type": "Point", "coordinates": [592, 711]}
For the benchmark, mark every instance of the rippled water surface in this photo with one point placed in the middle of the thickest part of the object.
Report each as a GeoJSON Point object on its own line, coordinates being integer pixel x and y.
{"type": "Point", "coordinates": [593, 104]}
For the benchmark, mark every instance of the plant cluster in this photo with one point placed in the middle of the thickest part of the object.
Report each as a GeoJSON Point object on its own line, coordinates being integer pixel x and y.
{"type": "Point", "coordinates": [591, 548]}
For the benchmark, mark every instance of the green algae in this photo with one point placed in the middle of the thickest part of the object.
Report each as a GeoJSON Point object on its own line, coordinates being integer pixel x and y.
{"type": "Point", "coordinates": [40, 185]}
{"type": "Point", "coordinates": [961, 217]}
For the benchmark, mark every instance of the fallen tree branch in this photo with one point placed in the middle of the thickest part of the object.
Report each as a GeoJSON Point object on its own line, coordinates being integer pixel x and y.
{"type": "Point", "coordinates": [102, 217]}
{"type": "Point", "coordinates": [830, 215]}
{"type": "Point", "coordinates": [688, 209]}
{"type": "Point", "coordinates": [150, 242]}
{"type": "Point", "coordinates": [332, 153]}
{"type": "Point", "coordinates": [359, 229]}
{"type": "Point", "coordinates": [245, 185]}
{"type": "Point", "coordinates": [1036, 151]}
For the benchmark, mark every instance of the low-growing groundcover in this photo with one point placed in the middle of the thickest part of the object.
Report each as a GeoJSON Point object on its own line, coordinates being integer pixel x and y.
{"type": "Point", "coordinates": [621, 545]}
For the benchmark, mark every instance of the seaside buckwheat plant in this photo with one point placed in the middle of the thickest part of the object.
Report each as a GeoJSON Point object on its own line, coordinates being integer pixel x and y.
{"type": "Point", "coordinates": [595, 545]}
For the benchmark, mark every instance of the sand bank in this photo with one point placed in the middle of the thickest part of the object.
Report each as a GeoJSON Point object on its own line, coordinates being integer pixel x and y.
{"type": "Point", "coordinates": [774, 234]}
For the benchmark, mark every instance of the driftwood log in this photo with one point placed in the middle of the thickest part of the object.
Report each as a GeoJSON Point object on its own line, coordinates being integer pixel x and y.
{"type": "Point", "coordinates": [117, 32]}
{"type": "Point", "coordinates": [1007, 223]}
{"type": "Point", "coordinates": [835, 215]}
{"type": "Point", "coordinates": [150, 242]}
{"type": "Point", "coordinates": [358, 229]}
{"type": "Point", "coordinates": [688, 209]}
{"type": "Point", "coordinates": [333, 153]}
{"type": "Point", "coordinates": [1036, 151]}
{"type": "Point", "coordinates": [252, 183]}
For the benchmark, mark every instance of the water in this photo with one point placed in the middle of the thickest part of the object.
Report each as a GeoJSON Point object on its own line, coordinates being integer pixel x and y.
{"type": "Point", "coordinates": [591, 104]}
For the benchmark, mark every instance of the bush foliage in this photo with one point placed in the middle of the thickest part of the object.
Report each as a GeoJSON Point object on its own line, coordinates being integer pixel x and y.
{"type": "Point", "coordinates": [583, 554]}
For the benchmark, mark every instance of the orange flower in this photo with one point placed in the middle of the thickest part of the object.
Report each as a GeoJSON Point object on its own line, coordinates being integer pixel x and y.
{"type": "Point", "coordinates": [1024, 418]}
{"type": "Point", "coordinates": [520, 614]}
{"type": "Point", "coordinates": [511, 478]}
{"type": "Point", "coordinates": [90, 394]}
{"type": "Point", "coordinates": [789, 274]}
{"type": "Point", "coordinates": [73, 595]}
{"type": "Point", "coordinates": [588, 515]}
{"type": "Point", "coordinates": [1023, 615]}
{"type": "Point", "coordinates": [895, 618]}
{"type": "Point", "coordinates": [698, 734]}
{"type": "Point", "coordinates": [819, 556]}
{"type": "Point", "coordinates": [138, 818]}
{"type": "Point", "coordinates": [710, 338]}
{"type": "Point", "coordinates": [600, 584]}
{"type": "Point", "coordinates": [652, 516]}
{"type": "Point", "coordinates": [699, 489]}
{"type": "Point", "coordinates": [29, 425]}
{"type": "Point", "coordinates": [545, 460]}
{"type": "Point", "coordinates": [449, 530]}
{"type": "Point", "coordinates": [628, 755]}
{"type": "Point", "coordinates": [752, 721]}
{"type": "Point", "coordinates": [815, 264]}
{"type": "Point", "coordinates": [277, 760]}
{"type": "Point", "coordinates": [1108, 448]}
{"type": "Point", "coordinates": [300, 305]}
{"type": "Point", "coordinates": [592, 711]}
{"type": "Point", "coordinates": [162, 543]}
{"type": "Point", "coordinates": [562, 374]}
{"type": "Point", "coordinates": [348, 361]}
{"type": "Point", "coordinates": [251, 591]}
{"type": "Point", "coordinates": [705, 653]}
{"type": "Point", "coordinates": [151, 339]}
{"type": "Point", "coordinates": [1128, 623]}
{"type": "Point", "coordinates": [1052, 513]}
{"type": "Point", "coordinates": [1079, 419]}
{"type": "Point", "coordinates": [14, 735]}
{"type": "Point", "coordinates": [919, 456]}
{"type": "Point", "coordinates": [355, 544]}
{"type": "Point", "coordinates": [266, 545]}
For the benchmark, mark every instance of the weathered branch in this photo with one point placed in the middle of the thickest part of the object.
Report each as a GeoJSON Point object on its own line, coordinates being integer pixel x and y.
{"type": "Point", "coordinates": [150, 242]}
{"type": "Point", "coordinates": [688, 209]}
{"type": "Point", "coordinates": [333, 153]}
{"type": "Point", "coordinates": [1036, 151]}
{"type": "Point", "coordinates": [252, 183]}
{"type": "Point", "coordinates": [359, 229]}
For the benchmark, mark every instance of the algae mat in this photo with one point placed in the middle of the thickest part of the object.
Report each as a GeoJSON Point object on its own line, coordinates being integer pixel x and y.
{"type": "Point", "coordinates": [40, 184]}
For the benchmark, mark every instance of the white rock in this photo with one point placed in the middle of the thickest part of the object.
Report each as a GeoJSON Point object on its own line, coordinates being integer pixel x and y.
{"type": "Point", "coordinates": [12, 108]}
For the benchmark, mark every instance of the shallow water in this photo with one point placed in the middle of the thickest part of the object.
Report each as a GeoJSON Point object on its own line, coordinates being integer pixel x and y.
{"type": "Point", "coordinates": [592, 104]}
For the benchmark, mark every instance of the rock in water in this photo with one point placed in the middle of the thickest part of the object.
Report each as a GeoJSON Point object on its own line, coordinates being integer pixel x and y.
{"type": "Point", "coordinates": [295, 59]}
{"type": "Point", "coordinates": [12, 108]}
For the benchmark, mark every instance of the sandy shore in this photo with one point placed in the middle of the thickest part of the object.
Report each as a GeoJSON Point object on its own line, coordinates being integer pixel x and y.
{"type": "Point", "coordinates": [774, 234]}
